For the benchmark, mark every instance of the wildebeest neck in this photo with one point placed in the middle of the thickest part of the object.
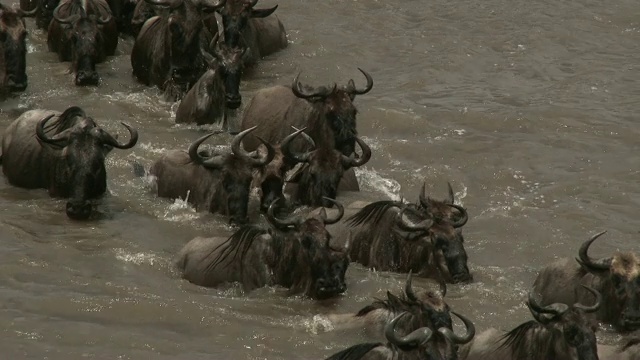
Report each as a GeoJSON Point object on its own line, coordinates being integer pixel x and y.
{"type": "Point", "coordinates": [14, 51]}
{"type": "Point", "coordinates": [332, 130]}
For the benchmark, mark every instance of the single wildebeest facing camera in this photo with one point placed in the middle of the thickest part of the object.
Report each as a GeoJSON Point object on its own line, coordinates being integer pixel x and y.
{"type": "Point", "coordinates": [293, 252]}
{"type": "Point", "coordinates": [616, 277]}
{"type": "Point", "coordinates": [13, 49]}
{"type": "Point", "coordinates": [67, 156]}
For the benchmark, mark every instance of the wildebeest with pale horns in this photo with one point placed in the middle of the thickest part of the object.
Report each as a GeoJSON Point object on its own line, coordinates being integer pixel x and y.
{"type": "Point", "coordinates": [252, 29]}
{"type": "Point", "coordinates": [216, 182]}
{"type": "Point", "coordinates": [558, 332]}
{"type": "Point", "coordinates": [616, 277]}
{"type": "Point", "coordinates": [66, 157]}
{"type": "Point", "coordinates": [426, 308]}
{"type": "Point", "coordinates": [166, 52]}
{"type": "Point", "coordinates": [628, 350]}
{"type": "Point", "coordinates": [322, 171]}
{"type": "Point", "coordinates": [85, 33]}
{"type": "Point", "coordinates": [13, 49]}
{"type": "Point", "coordinates": [217, 89]}
{"type": "Point", "coordinates": [394, 236]}
{"type": "Point", "coordinates": [417, 345]}
{"type": "Point", "coordinates": [293, 252]}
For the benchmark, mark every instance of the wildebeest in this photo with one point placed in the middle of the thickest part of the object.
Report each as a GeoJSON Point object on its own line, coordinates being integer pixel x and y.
{"type": "Point", "coordinates": [66, 157]}
{"type": "Point", "coordinates": [417, 345]}
{"type": "Point", "coordinates": [616, 277]}
{"type": "Point", "coordinates": [293, 252]}
{"type": "Point", "coordinates": [217, 89]}
{"type": "Point", "coordinates": [13, 49]}
{"type": "Point", "coordinates": [252, 29]}
{"type": "Point", "coordinates": [328, 114]}
{"type": "Point", "coordinates": [558, 332]}
{"type": "Point", "coordinates": [426, 308]}
{"type": "Point", "coordinates": [628, 350]}
{"type": "Point", "coordinates": [43, 11]}
{"type": "Point", "coordinates": [166, 52]}
{"type": "Point", "coordinates": [215, 182]}
{"type": "Point", "coordinates": [394, 236]}
{"type": "Point", "coordinates": [145, 10]}
{"type": "Point", "coordinates": [441, 209]}
{"type": "Point", "coordinates": [323, 170]}
{"type": "Point", "coordinates": [85, 33]}
{"type": "Point", "coordinates": [122, 11]}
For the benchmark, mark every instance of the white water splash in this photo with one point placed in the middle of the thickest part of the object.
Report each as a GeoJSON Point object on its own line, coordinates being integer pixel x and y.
{"type": "Point", "coordinates": [137, 258]}
{"type": "Point", "coordinates": [370, 179]}
{"type": "Point", "coordinates": [318, 324]}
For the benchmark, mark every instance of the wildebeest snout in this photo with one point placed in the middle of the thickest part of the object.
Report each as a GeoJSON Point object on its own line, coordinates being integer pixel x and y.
{"type": "Point", "coordinates": [79, 210]}
{"type": "Point", "coordinates": [87, 78]}
{"type": "Point", "coordinates": [329, 287]}
{"type": "Point", "coordinates": [233, 101]}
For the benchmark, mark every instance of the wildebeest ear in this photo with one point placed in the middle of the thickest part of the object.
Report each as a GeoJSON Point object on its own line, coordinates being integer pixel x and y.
{"type": "Point", "coordinates": [262, 13]}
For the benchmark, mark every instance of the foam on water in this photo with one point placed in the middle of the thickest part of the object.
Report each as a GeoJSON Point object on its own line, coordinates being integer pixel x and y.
{"type": "Point", "coordinates": [139, 258]}
{"type": "Point", "coordinates": [370, 179]}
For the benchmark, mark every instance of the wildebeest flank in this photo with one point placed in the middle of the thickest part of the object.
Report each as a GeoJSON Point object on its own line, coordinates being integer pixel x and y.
{"type": "Point", "coordinates": [291, 252]}
{"type": "Point", "coordinates": [66, 157]}
{"type": "Point", "coordinates": [616, 277]}
{"type": "Point", "coordinates": [13, 49]}
{"type": "Point", "coordinates": [215, 182]}
{"type": "Point", "coordinates": [85, 33]}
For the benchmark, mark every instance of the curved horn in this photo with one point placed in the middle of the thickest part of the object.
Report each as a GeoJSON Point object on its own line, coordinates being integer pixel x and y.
{"type": "Point", "coordinates": [465, 216]}
{"type": "Point", "coordinates": [291, 220]}
{"type": "Point", "coordinates": [25, 13]}
{"type": "Point", "coordinates": [67, 20]}
{"type": "Point", "coordinates": [408, 289]}
{"type": "Point", "coordinates": [41, 134]}
{"type": "Point", "coordinates": [238, 149]}
{"type": "Point", "coordinates": [468, 336]}
{"type": "Point", "coordinates": [305, 136]}
{"type": "Point", "coordinates": [555, 309]}
{"type": "Point", "coordinates": [214, 162]}
{"type": "Point", "coordinates": [585, 260]}
{"type": "Point", "coordinates": [411, 341]}
{"type": "Point", "coordinates": [406, 225]}
{"type": "Point", "coordinates": [170, 3]}
{"type": "Point", "coordinates": [252, 3]}
{"type": "Point", "coordinates": [299, 157]}
{"type": "Point", "coordinates": [424, 200]}
{"type": "Point", "coordinates": [451, 196]}
{"type": "Point", "coordinates": [337, 218]}
{"type": "Point", "coordinates": [352, 161]}
{"type": "Point", "coordinates": [297, 91]}
{"type": "Point", "coordinates": [208, 57]}
{"type": "Point", "coordinates": [104, 20]}
{"type": "Point", "coordinates": [133, 139]}
{"type": "Point", "coordinates": [367, 88]}
{"type": "Point", "coordinates": [594, 307]}
{"type": "Point", "coordinates": [211, 6]}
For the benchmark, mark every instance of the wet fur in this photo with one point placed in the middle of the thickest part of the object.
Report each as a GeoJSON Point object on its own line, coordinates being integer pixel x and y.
{"type": "Point", "coordinates": [13, 49]}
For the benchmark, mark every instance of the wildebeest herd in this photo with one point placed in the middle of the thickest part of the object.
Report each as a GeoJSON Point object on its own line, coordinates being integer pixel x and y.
{"type": "Point", "coordinates": [298, 145]}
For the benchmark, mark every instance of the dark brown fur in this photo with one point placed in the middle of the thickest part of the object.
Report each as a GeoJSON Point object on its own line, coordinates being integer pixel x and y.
{"type": "Point", "coordinates": [13, 50]}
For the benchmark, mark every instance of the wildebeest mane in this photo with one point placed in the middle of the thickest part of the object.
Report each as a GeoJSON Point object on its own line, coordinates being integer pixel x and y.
{"type": "Point", "coordinates": [521, 343]}
{"type": "Point", "coordinates": [238, 243]}
{"type": "Point", "coordinates": [373, 212]}
{"type": "Point", "coordinates": [355, 352]}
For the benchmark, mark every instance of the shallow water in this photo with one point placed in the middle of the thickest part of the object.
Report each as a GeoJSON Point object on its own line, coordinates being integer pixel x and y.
{"type": "Point", "coordinates": [527, 107]}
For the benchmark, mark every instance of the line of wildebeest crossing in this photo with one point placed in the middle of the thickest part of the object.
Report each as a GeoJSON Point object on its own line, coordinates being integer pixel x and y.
{"type": "Point", "coordinates": [298, 145]}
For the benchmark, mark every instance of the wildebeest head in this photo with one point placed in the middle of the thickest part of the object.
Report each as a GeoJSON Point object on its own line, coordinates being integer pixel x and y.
{"type": "Point", "coordinates": [427, 309]}
{"type": "Point", "coordinates": [236, 168]}
{"type": "Point", "coordinates": [320, 178]}
{"type": "Point", "coordinates": [559, 332]}
{"type": "Point", "coordinates": [235, 15]}
{"type": "Point", "coordinates": [80, 147]}
{"type": "Point", "coordinates": [271, 178]}
{"type": "Point", "coordinates": [87, 43]}
{"type": "Point", "coordinates": [447, 241]}
{"type": "Point", "coordinates": [44, 15]}
{"type": "Point", "coordinates": [441, 210]}
{"type": "Point", "coordinates": [336, 105]}
{"type": "Point", "coordinates": [327, 266]}
{"type": "Point", "coordinates": [13, 44]}
{"type": "Point", "coordinates": [184, 24]}
{"type": "Point", "coordinates": [227, 60]}
{"type": "Point", "coordinates": [620, 274]}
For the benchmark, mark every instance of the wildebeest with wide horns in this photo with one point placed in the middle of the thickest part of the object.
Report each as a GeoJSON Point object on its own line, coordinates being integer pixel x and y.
{"type": "Point", "coordinates": [166, 52]}
{"type": "Point", "coordinates": [394, 236]}
{"type": "Point", "coordinates": [211, 181]}
{"type": "Point", "coordinates": [66, 157]}
{"type": "Point", "coordinates": [217, 89]}
{"type": "Point", "coordinates": [416, 345]}
{"type": "Point", "coordinates": [616, 277]}
{"type": "Point", "coordinates": [426, 308]}
{"type": "Point", "coordinates": [293, 252]}
{"type": "Point", "coordinates": [85, 33]}
{"type": "Point", "coordinates": [252, 29]}
{"type": "Point", "coordinates": [322, 171]}
{"type": "Point", "coordinates": [13, 49]}
{"type": "Point", "coordinates": [558, 332]}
